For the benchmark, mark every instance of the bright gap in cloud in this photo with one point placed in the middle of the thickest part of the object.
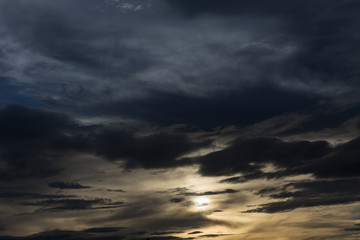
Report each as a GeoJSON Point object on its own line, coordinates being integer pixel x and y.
{"type": "Point", "coordinates": [201, 203]}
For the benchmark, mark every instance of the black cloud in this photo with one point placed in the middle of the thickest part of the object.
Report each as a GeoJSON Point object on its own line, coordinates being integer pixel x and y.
{"type": "Point", "coordinates": [159, 150]}
{"type": "Point", "coordinates": [34, 142]}
{"type": "Point", "coordinates": [198, 7]}
{"type": "Point", "coordinates": [249, 156]}
{"type": "Point", "coordinates": [69, 235]}
{"type": "Point", "coordinates": [226, 191]}
{"type": "Point", "coordinates": [66, 185]}
{"type": "Point", "coordinates": [46, 137]}
{"type": "Point", "coordinates": [241, 107]}
{"type": "Point", "coordinates": [177, 200]}
{"type": "Point", "coordinates": [73, 204]}
{"type": "Point", "coordinates": [165, 233]}
{"type": "Point", "coordinates": [30, 141]}
{"type": "Point", "coordinates": [310, 194]}
{"type": "Point", "coordinates": [355, 228]}
{"type": "Point", "coordinates": [115, 190]}
{"type": "Point", "coordinates": [104, 229]}
{"type": "Point", "coordinates": [28, 195]}
{"type": "Point", "coordinates": [213, 235]}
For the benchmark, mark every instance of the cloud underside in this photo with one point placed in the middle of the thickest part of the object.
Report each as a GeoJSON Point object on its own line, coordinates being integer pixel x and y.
{"type": "Point", "coordinates": [263, 67]}
{"type": "Point", "coordinates": [46, 138]}
{"type": "Point", "coordinates": [309, 194]}
{"type": "Point", "coordinates": [85, 235]}
{"type": "Point", "coordinates": [31, 137]}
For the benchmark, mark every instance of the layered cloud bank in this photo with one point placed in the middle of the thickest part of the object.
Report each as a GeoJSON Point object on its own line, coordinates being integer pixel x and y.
{"type": "Point", "coordinates": [176, 119]}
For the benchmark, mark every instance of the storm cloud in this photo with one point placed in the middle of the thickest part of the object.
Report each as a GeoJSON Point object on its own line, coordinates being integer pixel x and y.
{"type": "Point", "coordinates": [34, 142]}
{"type": "Point", "coordinates": [265, 62]}
{"type": "Point", "coordinates": [127, 112]}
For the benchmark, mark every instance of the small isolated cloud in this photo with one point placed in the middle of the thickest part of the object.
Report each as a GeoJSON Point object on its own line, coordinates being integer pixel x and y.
{"type": "Point", "coordinates": [116, 190]}
{"type": "Point", "coordinates": [177, 200]}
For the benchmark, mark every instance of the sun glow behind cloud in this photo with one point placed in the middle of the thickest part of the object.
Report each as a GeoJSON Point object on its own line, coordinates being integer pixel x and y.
{"type": "Point", "coordinates": [201, 203]}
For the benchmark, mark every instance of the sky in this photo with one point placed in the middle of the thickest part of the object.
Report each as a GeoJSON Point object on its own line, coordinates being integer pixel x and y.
{"type": "Point", "coordinates": [179, 119]}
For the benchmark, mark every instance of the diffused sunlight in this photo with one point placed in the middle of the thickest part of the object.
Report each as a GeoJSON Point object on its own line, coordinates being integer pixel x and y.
{"type": "Point", "coordinates": [201, 203]}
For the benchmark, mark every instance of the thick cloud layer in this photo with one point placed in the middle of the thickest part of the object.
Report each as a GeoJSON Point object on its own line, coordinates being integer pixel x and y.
{"type": "Point", "coordinates": [33, 143]}
{"type": "Point", "coordinates": [288, 158]}
{"type": "Point", "coordinates": [310, 194]}
{"type": "Point", "coordinates": [131, 112]}
{"type": "Point", "coordinates": [263, 64]}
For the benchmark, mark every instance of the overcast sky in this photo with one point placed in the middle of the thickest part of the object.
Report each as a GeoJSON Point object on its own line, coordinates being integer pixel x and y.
{"type": "Point", "coordinates": [179, 119]}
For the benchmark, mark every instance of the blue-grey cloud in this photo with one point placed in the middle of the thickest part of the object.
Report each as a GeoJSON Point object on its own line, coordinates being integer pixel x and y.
{"type": "Point", "coordinates": [111, 69]}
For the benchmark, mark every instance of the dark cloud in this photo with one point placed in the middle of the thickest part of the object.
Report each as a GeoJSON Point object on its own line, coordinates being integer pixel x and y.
{"type": "Point", "coordinates": [328, 50]}
{"type": "Point", "coordinates": [241, 107]}
{"type": "Point", "coordinates": [165, 233]}
{"type": "Point", "coordinates": [343, 163]}
{"type": "Point", "coordinates": [159, 150]}
{"type": "Point", "coordinates": [49, 134]}
{"type": "Point", "coordinates": [355, 228]}
{"type": "Point", "coordinates": [325, 120]}
{"type": "Point", "coordinates": [33, 143]}
{"type": "Point", "coordinates": [139, 233]}
{"type": "Point", "coordinates": [177, 200]}
{"type": "Point", "coordinates": [73, 204]}
{"type": "Point", "coordinates": [213, 235]}
{"type": "Point", "coordinates": [195, 232]}
{"type": "Point", "coordinates": [115, 190]}
{"type": "Point", "coordinates": [27, 195]}
{"type": "Point", "coordinates": [69, 235]}
{"type": "Point", "coordinates": [30, 141]}
{"type": "Point", "coordinates": [229, 7]}
{"type": "Point", "coordinates": [248, 177]}
{"type": "Point", "coordinates": [185, 221]}
{"type": "Point", "coordinates": [66, 38]}
{"type": "Point", "coordinates": [19, 122]}
{"type": "Point", "coordinates": [249, 156]}
{"type": "Point", "coordinates": [162, 238]}
{"type": "Point", "coordinates": [319, 67]}
{"type": "Point", "coordinates": [104, 230]}
{"type": "Point", "coordinates": [209, 193]}
{"type": "Point", "coordinates": [66, 185]}
{"type": "Point", "coordinates": [205, 64]}
{"type": "Point", "coordinates": [310, 194]}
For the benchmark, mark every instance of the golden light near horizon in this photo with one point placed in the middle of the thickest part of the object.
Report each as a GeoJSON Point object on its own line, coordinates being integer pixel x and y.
{"type": "Point", "coordinates": [201, 203]}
